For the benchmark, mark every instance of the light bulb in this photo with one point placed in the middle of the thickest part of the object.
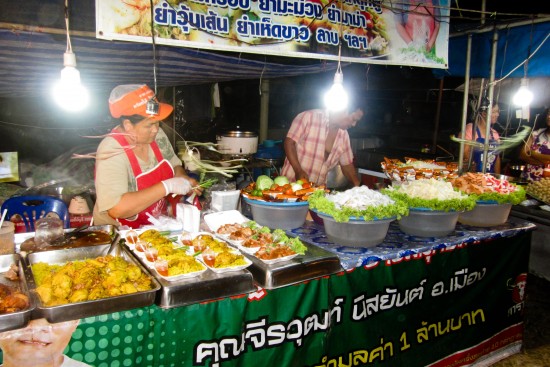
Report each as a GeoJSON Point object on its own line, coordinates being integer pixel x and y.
{"type": "Point", "coordinates": [71, 97]}
{"type": "Point", "coordinates": [68, 92]}
{"type": "Point", "coordinates": [336, 99]}
{"type": "Point", "coordinates": [523, 96]}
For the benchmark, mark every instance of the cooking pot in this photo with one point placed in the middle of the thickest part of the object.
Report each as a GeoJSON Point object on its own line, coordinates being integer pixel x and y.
{"type": "Point", "coordinates": [237, 143]}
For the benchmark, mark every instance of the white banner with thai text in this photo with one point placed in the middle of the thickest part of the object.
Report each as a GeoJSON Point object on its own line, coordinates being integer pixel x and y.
{"type": "Point", "coordinates": [406, 32]}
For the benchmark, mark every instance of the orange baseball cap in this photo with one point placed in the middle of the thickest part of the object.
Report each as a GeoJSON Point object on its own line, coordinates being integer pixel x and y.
{"type": "Point", "coordinates": [131, 99]}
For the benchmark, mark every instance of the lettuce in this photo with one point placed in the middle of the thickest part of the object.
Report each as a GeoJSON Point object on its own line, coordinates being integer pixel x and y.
{"type": "Point", "coordinates": [465, 204]}
{"type": "Point", "coordinates": [513, 198]}
{"type": "Point", "coordinates": [320, 203]}
{"type": "Point", "coordinates": [293, 242]}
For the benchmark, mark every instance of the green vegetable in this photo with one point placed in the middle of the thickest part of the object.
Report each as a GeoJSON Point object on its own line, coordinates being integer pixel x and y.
{"type": "Point", "coordinates": [318, 201]}
{"type": "Point", "coordinates": [293, 242]}
{"type": "Point", "coordinates": [513, 198]}
{"type": "Point", "coordinates": [468, 203]}
{"type": "Point", "coordinates": [264, 182]}
{"type": "Point", "coordinates": [281, 180]}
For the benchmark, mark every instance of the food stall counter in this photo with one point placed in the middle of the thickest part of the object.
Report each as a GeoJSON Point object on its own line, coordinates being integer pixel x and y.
{"type": "Point", "coordinates": [410, 301]}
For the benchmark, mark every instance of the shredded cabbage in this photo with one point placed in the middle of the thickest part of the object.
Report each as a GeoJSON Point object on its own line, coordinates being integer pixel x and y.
{"type": "Point", "coordinates": [360, 202]}
{"type": "Point", "coordinates": [431, 194]}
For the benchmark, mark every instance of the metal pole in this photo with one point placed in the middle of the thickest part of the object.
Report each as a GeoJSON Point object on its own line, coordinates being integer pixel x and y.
{"type": "Point", "coordinates": [437, 117]}
{"type": "Point", "coordinates": [491, 93]}
{"type": "Point", "coordinates": [264, 109]}
{"type": "Point", "coordinates": [465, 102]}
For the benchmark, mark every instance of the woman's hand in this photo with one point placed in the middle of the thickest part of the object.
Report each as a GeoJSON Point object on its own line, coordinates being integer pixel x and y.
{"type": "Point", "coordinates": [177, 185]}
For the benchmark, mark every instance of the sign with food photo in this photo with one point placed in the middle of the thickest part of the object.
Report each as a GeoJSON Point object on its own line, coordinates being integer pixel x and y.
{"type": "Point", "coordinates": [375, 31]}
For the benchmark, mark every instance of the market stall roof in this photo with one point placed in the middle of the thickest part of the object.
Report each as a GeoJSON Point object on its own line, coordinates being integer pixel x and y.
{"type": "Point", "coordinates": [515, 44]}
{"type": "Point", "coordinates": [31, 61]}
{"type": "Point", "coordinates": [33, 40]}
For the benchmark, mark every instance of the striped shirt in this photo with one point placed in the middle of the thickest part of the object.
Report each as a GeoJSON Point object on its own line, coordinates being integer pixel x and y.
{"type": "Point", "coordinates": [309, 130]}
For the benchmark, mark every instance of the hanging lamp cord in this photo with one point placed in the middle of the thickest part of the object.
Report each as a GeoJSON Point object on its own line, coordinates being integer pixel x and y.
{"type": "Point", "coordinates": [154, 49]}
{"type": "Point", "coordinates": [69, 46]}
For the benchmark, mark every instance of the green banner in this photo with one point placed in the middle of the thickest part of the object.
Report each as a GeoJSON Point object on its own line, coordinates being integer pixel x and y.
{"type": "Point", "coordinates": [443, 307]}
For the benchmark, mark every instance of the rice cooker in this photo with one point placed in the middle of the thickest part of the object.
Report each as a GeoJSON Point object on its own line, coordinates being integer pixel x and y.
{"type": "Point", "coordinates": [237, 143]}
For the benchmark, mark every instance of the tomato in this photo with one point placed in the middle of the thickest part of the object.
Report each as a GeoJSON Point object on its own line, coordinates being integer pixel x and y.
{"type": "Point", "coordinates": [306, 185]}
{"type": "Point", "coordinates": [288, 192]}
{"type": "Point", "coordinates": [274, 187]}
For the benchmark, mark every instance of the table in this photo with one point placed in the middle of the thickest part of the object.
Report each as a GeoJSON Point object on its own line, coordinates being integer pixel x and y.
{"type": "Point", "coordinates": [408, 302]}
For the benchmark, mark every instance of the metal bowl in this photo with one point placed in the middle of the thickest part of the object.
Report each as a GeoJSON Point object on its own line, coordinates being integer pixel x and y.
{"type": "Point", "coordinates": [486, 215]}
{"type": "Point", "coordinates": [356, 232]}
{"type": "Point", "coordinates": [278, 215]}
{"type": "Point", "coordinates": [428, 223]}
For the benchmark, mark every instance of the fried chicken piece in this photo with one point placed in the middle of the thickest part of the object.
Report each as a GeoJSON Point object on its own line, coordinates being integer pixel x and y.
{"type": "Point", "coordinates": [12, 273]}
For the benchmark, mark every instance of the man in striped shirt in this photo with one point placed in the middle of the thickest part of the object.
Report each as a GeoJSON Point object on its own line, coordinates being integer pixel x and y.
{"type": "Point", "coordinates": [318, 141]}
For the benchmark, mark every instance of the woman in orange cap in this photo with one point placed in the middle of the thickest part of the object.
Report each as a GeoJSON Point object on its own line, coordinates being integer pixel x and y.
{"type": "Point", "coordinates": [136, 167]}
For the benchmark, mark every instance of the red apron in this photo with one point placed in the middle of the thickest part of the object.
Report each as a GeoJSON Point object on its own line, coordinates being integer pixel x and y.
{"type": "Point", "coordinates": [162, 171]}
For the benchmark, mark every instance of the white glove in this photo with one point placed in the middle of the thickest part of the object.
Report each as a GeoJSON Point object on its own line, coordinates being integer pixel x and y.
{"type": "Point", "coordinates": [177, 185]}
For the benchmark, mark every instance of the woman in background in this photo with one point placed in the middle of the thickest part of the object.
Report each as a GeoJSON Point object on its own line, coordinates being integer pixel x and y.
{"type": "Point", "coordinates": [536, 150]}
{"type": "Point", "coordinates": [493, 158]}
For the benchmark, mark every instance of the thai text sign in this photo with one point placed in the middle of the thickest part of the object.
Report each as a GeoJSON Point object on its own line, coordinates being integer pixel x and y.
{"type": "Point", "coordinates": [367, 31]}
{"type": "Point", "coordinates": [446, 307]}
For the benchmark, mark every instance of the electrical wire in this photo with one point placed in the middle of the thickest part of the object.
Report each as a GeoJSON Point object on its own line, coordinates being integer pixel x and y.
{"type": "Point", "coordinates": [69, 46]}
{"type": "Point", "coordinates": [154, 47]}
{"type": "Point", "coordinates": [524, 61]}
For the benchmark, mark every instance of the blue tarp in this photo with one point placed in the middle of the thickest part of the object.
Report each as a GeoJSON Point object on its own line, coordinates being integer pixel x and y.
{"type": "Point", "coordinates": [514, 46]}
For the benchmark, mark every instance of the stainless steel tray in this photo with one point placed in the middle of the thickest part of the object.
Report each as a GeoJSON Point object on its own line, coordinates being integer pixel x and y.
{"type": "Point", "coordinates": [73, 311]}
{"type": "Point", "coordinates": [28, 237]}
{"type": "Point", "coordinates": [204, 287]}
{"type": "Point", "coordinates": [20, 319]}
{"type": "Point", "coordinates": [315, 263]}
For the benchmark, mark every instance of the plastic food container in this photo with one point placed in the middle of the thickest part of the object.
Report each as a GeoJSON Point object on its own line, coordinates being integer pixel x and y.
{"type": "Point", "coordinates": [356, 232]}
{"type": "Point", "coordinates": [279, 215]}
{"type": "Point", "coordinates": [428, 223]}
{"type": "Point", "coordinates": [7, 238]}
{"type": "Point", "coordinates": [486, 215]}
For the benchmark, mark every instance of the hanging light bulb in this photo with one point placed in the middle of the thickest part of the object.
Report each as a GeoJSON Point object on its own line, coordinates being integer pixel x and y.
{"type": "Point", "coordinates": [68, 92]}
{"type": "Point", "coordinates": [523, 96]}
{"type": "Point", "coordinates": [336, 99]}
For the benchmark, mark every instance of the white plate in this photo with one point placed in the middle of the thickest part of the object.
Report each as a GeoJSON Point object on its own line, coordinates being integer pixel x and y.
{"type": "Point", "coordinates": [182, 276]}
{"type": "Point", "coordinates": [229, 268]}
{"type": "Point", "coordinates": [218, 219]}
{"type": "Point", "coordinates": [249, 250]}
{"type": "Point", "coordinates": [279, 259]}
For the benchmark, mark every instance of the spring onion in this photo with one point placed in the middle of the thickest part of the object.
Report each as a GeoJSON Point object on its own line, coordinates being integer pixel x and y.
{"type": "Point", "coordinates": [193, 162]}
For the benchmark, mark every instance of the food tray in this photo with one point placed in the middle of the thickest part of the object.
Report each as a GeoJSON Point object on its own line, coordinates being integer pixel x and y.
{"type": "Point", "coordinates": [25, 241]}
{"type": "Point", "coordinates": [20, 319]}
{"type": "Point", "coordinates": [537, 198]}
{"type": "Point", "coordinates": [315, 263]}
{"type": "Point", "coordinates": [229, 269]}
{"type": "Point", "coordinates": [204, 287]}
{"type": "Point", "coordinates": [73, 311]}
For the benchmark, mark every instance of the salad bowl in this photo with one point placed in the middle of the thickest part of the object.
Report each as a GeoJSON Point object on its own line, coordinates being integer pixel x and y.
{"type": "Point", "coordinates": [424, 222]}
{"type": "Point", "coordinates": [486, 214]}
{"type": "Point", "coordinates": [356, 232]}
